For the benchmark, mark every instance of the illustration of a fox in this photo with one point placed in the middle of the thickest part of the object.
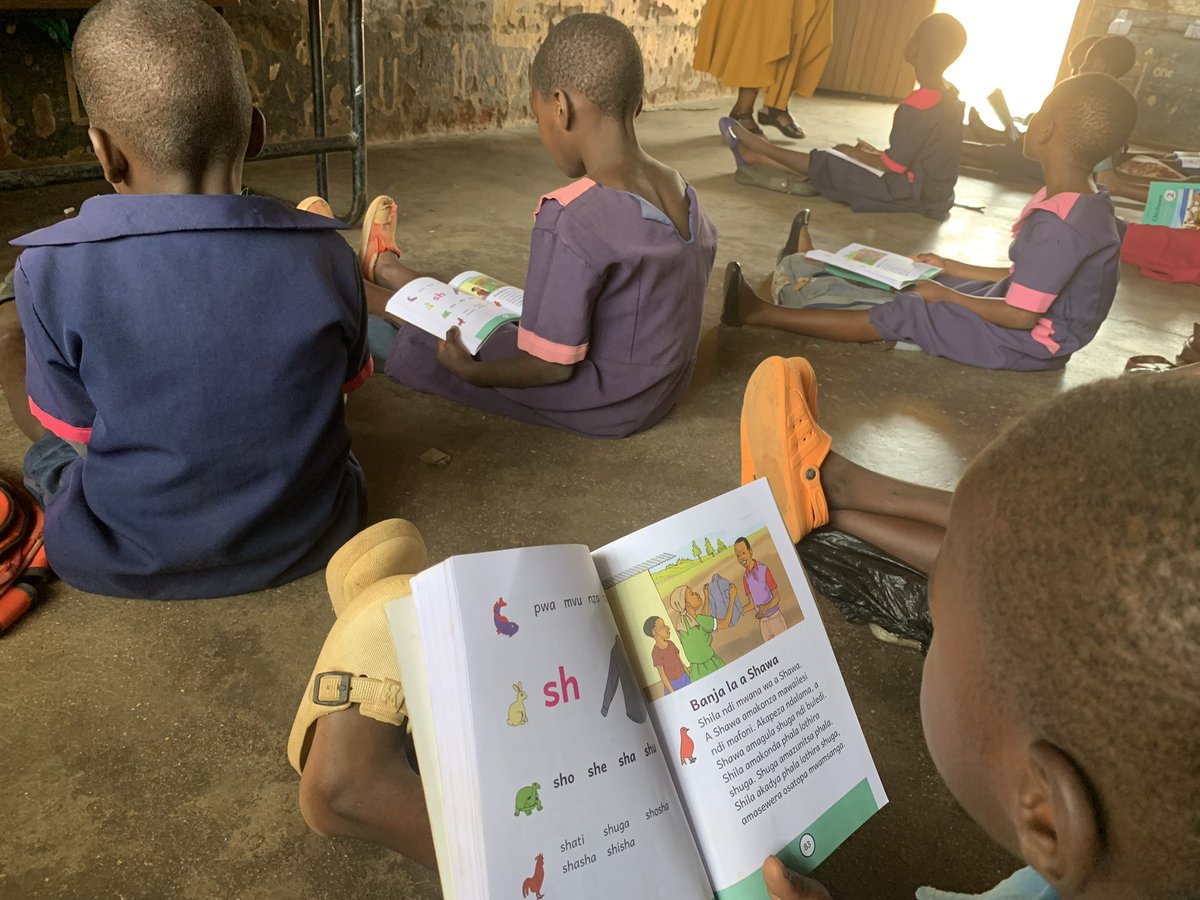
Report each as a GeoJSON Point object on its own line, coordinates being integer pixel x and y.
{"type": "Point", "coordinates": [533, 884]}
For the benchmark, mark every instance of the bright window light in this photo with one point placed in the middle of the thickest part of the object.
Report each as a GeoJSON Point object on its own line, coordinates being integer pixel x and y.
{"type": "Point", "coordinates": [1016, 46]}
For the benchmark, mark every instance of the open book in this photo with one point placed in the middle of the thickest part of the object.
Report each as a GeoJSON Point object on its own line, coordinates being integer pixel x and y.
{"type": "Point", "coordinates": [854, 160]}
{"type": "Point", "coordinates": [1173, 204]}
{"type": "Point", "coordinates": [648, 720]}
{"type": "Point", "coordinates": [876, 268]}
{"type": "Point", "coordinates": [472, 301]}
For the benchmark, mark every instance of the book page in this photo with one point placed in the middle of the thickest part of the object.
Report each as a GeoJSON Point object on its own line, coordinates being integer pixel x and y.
{"type": "Point", "coordinates": [744, 688]}
{"type": "Point", "coordinates": [435, 307]}
{"type": "Point", "coordinates": [891, 269]}
{"type": "Point", "coordinates": [573, 795]}
{"type": "Point", "coordinates": [854, 161]}
{"type": "Point", "coordinates": [499, 294]}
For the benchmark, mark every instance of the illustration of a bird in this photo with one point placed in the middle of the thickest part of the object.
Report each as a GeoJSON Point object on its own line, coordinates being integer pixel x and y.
{"type": "Point", "coordinates": [687, 747]}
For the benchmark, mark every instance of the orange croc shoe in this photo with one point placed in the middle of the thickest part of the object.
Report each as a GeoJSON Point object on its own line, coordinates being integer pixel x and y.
{"type": "Point", "coordinates": [316, 205]}
{"type": "Point", "coordinates": [378, 233]}
{"type": "Point", "coordinates": [782, 442]}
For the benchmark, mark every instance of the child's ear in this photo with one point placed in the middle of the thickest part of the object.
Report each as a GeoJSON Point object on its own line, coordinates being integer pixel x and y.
{"type": "Point", "coordinates": [564, 110]}
{"type": "Point", "coordinates": [1058, 820]}
{"type": "Point", "coordinates": [109, 155]}
{"type": "Point", "coordinates": [258, 133]}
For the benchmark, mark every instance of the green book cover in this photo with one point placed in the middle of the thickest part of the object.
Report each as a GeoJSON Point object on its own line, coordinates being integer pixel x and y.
{"type": "Point", "coordinates": [1173, 204]}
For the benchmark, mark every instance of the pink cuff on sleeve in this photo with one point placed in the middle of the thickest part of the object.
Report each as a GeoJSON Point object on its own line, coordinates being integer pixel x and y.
{"type": "Point", "coordinates": [564, 354]}
{"type": "Point", "coordinates": [361, 378]}
{"type": "Point", "coordinates": [1028, 299]}
{"type": "Point", "coordinates": [892, 164]}
{"type": "Point", "coordinates": [57, 426]}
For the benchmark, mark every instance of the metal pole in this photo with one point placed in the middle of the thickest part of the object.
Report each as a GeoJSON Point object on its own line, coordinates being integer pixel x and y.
{"type": "Point", "coordinates": [358, 113]}
{"type": "Point", "coordinates": [316, 63]}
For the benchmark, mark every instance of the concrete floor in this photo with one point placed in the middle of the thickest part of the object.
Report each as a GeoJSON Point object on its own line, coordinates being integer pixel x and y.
{"type": "Point", "coordinates": [143, 743]}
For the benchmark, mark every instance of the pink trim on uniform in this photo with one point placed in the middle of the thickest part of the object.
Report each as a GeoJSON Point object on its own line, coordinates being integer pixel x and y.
{"type": "Point", "coordinates": [1060, 204]}
{"type": "Point", "coordinates": [361, 378]}
{"type": "Point", "coordinates": [1028, 299]}
{"type": "Point", "coordinates": [538, 346]}
{"type": "Point", "coordinates": [892, 164]}
{"type": "Point", "coordinates": [566, 195]}
{"type": "Point", "coordinates": [1042, 332]}
{"type": "Point", "coordinates": [59, 427]}
{"type": "Point", "coordinates": [923, 98]}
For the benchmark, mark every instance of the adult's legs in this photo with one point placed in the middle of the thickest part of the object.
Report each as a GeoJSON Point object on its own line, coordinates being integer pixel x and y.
{"type": "Point", "coordinates": [12, 371]}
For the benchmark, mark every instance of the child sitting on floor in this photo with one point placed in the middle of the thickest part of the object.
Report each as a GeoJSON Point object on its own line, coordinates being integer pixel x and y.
{"type": "Point", "coordinates": [618, 266]}
{"type": "Point", "coordinates": [1060, 696]}
{"type": "Point", "coordinates": [919, 168]}
{"type": "Point", "coordinates": [188, 348]}
{"type": "Point", "coordinates": [1001, 152]}
{"type": "Point", "coordinates": [1031, 315]}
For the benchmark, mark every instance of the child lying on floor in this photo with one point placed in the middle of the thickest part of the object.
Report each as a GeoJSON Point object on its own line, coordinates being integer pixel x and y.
{"type": "Point", "coordinates": [1031, 315]}
{"type": "Point", "coordinates": [618, 266]}
{"type": "Point", "coordinates": [920, 166]}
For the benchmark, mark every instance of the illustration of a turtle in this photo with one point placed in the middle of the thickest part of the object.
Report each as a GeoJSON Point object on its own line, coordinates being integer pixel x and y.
{"type": "Point", "coordinates": [528, 800]}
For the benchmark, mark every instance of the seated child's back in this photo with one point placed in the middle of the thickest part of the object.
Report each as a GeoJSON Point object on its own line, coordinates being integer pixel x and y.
{"type": "Point", "coordinates": [196, 341]}
{"type": "Point", "coordinates": [618, 264]}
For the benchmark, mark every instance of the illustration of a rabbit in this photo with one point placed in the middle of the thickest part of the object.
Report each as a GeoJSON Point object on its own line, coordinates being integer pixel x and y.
{"type": "Point", "coordinates": [516, 710]}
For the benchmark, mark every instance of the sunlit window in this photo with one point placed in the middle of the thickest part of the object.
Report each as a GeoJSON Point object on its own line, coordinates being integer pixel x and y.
{"type": "Point", "coordinates": [1015, 45]}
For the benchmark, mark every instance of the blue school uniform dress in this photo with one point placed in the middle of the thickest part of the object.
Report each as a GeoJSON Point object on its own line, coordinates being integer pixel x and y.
{"type": "Point", "coordinates": [613, 289]}
{"type": "Point", "coordinates": [198, 349]}
{"type": "Point", "coordinates": [921, 161]}
{"type": "Point", "coordinates": [1066, 262]}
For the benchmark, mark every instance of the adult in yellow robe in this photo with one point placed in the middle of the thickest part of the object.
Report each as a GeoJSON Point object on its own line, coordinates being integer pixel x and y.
{"type": "Point", "coordinates": [780, 46]}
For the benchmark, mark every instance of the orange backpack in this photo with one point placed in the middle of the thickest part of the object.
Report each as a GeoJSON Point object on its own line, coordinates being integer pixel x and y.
{"type": "Point", "coordinates": [23, 566]}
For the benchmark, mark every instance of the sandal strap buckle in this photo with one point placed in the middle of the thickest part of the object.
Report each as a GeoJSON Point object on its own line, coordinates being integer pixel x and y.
{"type": "Point", "coordinates": [331, 689]}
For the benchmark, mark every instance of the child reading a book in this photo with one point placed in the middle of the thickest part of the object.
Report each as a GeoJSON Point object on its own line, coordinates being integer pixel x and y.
{"type": "Point", "coordinates": [917, 172]}
{"type": "Point", "coordinates": [618, 265]}
{"type": "Point", "coordinates": [1031, 315]}
{"type": "Point", "coordinates": [178, 459]}
{"type": "Point", "coordinates": [1001, 152]}
{"type": "Point", "coordinates": [1060, 693]}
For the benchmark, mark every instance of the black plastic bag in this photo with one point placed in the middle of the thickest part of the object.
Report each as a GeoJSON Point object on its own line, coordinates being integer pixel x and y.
{"type": "Point", "coordinates": [867, 584]}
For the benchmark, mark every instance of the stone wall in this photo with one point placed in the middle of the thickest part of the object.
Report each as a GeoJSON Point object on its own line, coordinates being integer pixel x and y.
{"type": "Point", "coordinates": [431, 65]}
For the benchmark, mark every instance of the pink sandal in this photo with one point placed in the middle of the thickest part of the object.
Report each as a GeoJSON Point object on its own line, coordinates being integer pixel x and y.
{"type": "Point", "coordinates": [378, 234]}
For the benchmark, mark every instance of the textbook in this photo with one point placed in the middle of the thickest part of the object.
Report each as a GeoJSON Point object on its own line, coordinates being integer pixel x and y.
{"type": "Point", "coordinates": [1173, 204]}
{"type": "Point", "coordinates": [854, 160]}
{"type": "Point", "coordinates": [648, 720]}
{"type": "Point", "coordinates": [876, 268]}
{"type": "Point", "coordinates": [472, 301]}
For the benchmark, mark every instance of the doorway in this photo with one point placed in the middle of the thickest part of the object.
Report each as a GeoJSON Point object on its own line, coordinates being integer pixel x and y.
{"type": "Point", "coordinates": [1017, 46]}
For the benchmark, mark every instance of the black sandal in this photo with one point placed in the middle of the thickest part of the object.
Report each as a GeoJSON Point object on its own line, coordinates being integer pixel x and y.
{"type": "Point", "coordinates": [746, 120]}
{"type": "Point", "coordinates": [769, 115]}
{"type": "Point", "coordinates": [730, 315]}
{"type": "Point", "coordinates": [793, 241]}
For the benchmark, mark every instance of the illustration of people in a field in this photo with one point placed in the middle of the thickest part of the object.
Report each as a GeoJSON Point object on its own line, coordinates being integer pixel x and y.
{"type": "Point", "coordinates": [695, 626]}
{"type": "Point", "coordinates": [761, 591]}
{"type": "Point", "coordinates": [665, 656]}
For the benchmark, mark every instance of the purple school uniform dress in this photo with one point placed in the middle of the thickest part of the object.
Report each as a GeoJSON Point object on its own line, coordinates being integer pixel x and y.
{"type": "Point", "coordinates": [612, 288]}
{"type": "Point", "coordinates": [199, 346]}
{"type": "Point", "coordinates": [1066, 261]}
{"type": "Point", "coordinates": [921, 161]}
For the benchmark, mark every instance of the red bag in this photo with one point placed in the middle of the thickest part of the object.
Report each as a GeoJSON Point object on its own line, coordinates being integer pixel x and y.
{"type": "Point", "coordinates": [1162, 253]}
{"type": "Point", "coordinates": [23, 566]}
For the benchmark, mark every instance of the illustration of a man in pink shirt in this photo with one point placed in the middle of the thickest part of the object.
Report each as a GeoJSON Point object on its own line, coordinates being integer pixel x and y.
{"type": "Point", "coordinates": [761, 590]}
